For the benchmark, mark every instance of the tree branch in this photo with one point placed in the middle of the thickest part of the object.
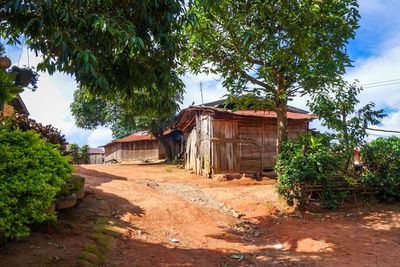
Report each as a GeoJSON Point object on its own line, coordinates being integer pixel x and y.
{"type": "Point", "coordinates": [257, 82]}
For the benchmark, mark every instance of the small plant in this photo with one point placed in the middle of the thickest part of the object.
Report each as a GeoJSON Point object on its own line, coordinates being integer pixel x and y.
{"type": "Point", "coordinates": [381, 160]}
{"type": "Point", "coordinates": [307, 161]}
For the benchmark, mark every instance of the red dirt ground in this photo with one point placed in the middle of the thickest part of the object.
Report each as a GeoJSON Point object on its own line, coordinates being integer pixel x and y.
{"type": "Point", "coordinates": [368, 235]}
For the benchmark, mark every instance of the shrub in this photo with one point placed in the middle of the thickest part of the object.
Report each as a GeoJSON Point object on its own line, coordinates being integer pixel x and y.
{"type": "Point", "coordinates": [32, 171]}
{"type": "Point", "coordinates": [47, 132]}
{"type": "Point", "coordinates": [381, 160]}
{"type": "Point", "coordinates": [308, 160]}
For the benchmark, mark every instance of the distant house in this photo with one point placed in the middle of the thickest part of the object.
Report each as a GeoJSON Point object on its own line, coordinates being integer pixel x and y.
{"type": "Point", "coordinates": [219, 141]}
{"type": "Point", "coordinates": [96, 155]}
{"type": "Point", "coordinates": [141, 146]}
{"type": "Point", "coordinates": [15, 105]}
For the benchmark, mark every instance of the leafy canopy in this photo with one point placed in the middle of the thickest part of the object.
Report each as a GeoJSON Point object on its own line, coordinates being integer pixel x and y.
{"type": "Point", "coordinates": [124, 119]}
{"type": "Point", "coordinates": [339, 112]}
{"type": "Point", "coordinates": [271, 48]}
{"type": "Point", "coordinates": [117, 49]}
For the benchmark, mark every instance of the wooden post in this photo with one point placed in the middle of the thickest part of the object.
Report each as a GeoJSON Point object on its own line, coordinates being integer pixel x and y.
{"type": "Point", "coordinates": [262, 147]}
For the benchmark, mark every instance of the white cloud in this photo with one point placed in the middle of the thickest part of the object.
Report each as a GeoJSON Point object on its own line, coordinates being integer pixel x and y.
{"type": "Point", "coordinates": [384, 66]}
{"type": "Point", "coordinates": [99, 137]}
{"type": "Point", "coordinates": [212, 88]}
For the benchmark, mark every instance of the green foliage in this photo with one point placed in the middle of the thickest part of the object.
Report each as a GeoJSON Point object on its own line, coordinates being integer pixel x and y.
{"type": "Point", "coordinates": [116, 48]}
{"type": "Point", "coordinates": [74, 151]}
{"type": "Point", "coordinates": [122, 129]}
{"type": "Point", "coordinates": [381, 160]}
{"type": "Point", "coordinates": [47, 132]}
{"type": "Point", "coordinates": [85, 154]}
{"type": "Point", "coordinates": [2, 50]}
{"type": "Point", "coordinates": [269, 51]}
{"type": "Point", "coordinates": [31, 174]}
{"type": "Point", "coordinates": [124, 119]}
{"type": "Point", "coordinates": [8, 88]}
{"type": "Point", "coordinates": [308, 160]}
{"type": "Point", "coordinates": [338, 109]}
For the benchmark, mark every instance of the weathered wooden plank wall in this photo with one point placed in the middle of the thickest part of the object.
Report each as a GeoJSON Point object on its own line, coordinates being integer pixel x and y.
{"type": "Point", "coordinates": [247, 144]}
{"type": "Point", "coordinates": [225, 148]}
{"type": "Point", "coordinates": [95, 159]}
{"type": "Point", "coordinates": [217, 144]}
{"type": "Point", "coordinates": [139, 150]}
{"type": "Point", "coordinates": [198, 147]}
{"type": "Point", "coordinates": [113, 152]}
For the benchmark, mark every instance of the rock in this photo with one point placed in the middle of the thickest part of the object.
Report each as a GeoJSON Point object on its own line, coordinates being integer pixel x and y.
{"type": "Point", "coordinates": [237, 214]}
{"type": "Point", "coordinates": [51, 209]}
{"type": "Point", "coordinates": [220, 177]}
{"type": "Point", "coordinates": [66, 202]}
{"type": "Point", "coordinates": [232, 176]}
{"type": "Point", "coordinates": [77, 182]}
{"type": "Point", "coordinates": [80, 193]}
{"type": "Point", "coordinates": [248, 175]}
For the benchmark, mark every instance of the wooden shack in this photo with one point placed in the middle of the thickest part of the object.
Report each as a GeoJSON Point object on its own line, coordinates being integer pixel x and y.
{"type": "Point", "coordinates": [220, 141]}
{"type": "Point", "coordinates": [141, 146]}
{"type": "Point", "coordinates": [96, 155]}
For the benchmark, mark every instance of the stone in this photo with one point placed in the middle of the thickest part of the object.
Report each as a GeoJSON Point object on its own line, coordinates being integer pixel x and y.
{"type": "Point", "coordinates": [66, 202]}
{"type": "Point", "coordinates": [51, 209]}
{"type": "Point", "coordinates": [80, 193]}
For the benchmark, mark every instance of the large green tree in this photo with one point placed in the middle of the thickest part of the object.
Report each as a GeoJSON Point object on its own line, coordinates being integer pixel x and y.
{"type": "Point", "coordinates": [123, 118]}
{"type": "Point", "coordinates": [269, 51]}
{"type": "Point", "coordinates": [114, 48]}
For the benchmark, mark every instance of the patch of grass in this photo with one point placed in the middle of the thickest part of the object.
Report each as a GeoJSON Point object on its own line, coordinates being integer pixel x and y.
{"type": "Point", "coordinates": [169, 169]}
{"type": "Point", "coordinates": [103, 226]}
{"type": "Point", "coordinates": [105, 241]}
{"type": "Point", "coordinates": [91, 254]}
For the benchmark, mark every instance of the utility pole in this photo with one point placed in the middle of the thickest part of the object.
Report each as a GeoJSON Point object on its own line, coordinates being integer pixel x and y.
{"type": "Point", "coordinates": [201, 91]}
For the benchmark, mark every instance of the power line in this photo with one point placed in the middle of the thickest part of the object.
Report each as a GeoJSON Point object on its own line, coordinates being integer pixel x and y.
{"type": "Point", "coordinates": [368, 84]}
{"type": "Point", "coordinates": [382, 130]}
{"type": "Point", "coordinates": [380, 85]}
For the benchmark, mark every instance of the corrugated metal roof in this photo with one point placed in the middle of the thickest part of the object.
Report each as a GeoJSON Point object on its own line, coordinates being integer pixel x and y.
{"type": "Point", "coordinates": [95, 151]}
{"type": "Point", "coordinates": [219, 104]}
{"type": "Point", "coordinates": [139, 136]}
{"type": "Point", "coordinates": [272, 114]}
{"type": "Point", "coordinates": [185, 117]}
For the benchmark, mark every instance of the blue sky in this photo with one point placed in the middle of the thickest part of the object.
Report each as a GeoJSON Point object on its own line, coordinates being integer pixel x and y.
{"type": "Point", "coordinates": [375, 51]}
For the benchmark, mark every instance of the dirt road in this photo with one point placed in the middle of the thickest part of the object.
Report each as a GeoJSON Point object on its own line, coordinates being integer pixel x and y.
{"type": "Point", "coordinates": [166, 216]}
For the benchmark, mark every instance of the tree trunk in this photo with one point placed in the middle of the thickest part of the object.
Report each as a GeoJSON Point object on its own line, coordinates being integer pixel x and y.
{"type": "Point", "coordinates": [282, 125]}
{"type": "Point", "coordinates": [281, 112]}
{"type": "Point", "coordinates": [164, 142]}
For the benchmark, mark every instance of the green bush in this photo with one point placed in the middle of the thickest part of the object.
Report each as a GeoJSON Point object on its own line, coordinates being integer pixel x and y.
{"type": "Point", "coordinates": [381, 160]}
{"type": "Point", "coordinates": [32, 171]}
{"type": "Point", "coordinates": [308, 160]}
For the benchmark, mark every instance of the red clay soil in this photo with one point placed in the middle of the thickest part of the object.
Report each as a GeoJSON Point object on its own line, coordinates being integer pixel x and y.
{"type": "Point", "coordinates": [131, 197]}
